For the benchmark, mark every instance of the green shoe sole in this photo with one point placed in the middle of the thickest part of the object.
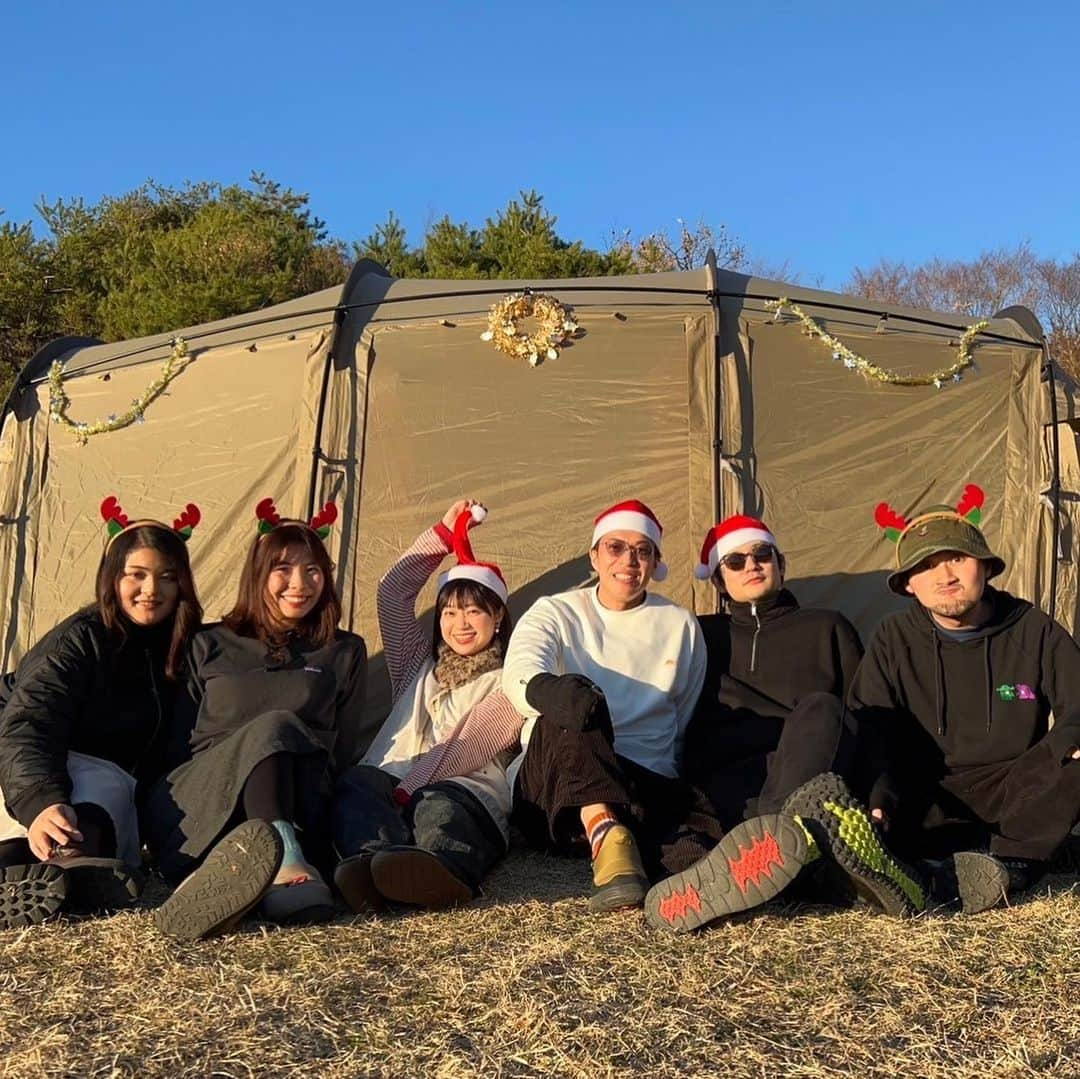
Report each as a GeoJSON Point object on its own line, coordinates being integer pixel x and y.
{"type": "Point", "coordinates": [845, 832]}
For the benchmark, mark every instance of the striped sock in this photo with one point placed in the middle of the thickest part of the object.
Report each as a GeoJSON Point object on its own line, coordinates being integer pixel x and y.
{"type": "Point", "coordinates": [597, 827]}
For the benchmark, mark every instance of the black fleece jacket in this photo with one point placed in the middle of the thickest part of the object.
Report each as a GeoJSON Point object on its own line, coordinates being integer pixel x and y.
{"type": "Point", "coordinates": [85, 690]}
{"type": "Point", "coordinates": [762, 660]}
{"type": "Point", "coordinates": [930, 706]}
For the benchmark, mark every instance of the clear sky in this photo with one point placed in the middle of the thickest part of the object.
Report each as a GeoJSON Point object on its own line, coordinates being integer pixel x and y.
{"type": "Point", "coordinates": [823, 135]}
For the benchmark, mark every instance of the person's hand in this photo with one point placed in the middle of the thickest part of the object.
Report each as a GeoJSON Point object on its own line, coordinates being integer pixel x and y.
{"type": "Point", "coordinates": [881, 818]}
{"type": "Point", "coordinates": [456, 510]}
{"type": "Point", "coordinates": [1076, 753]}
{"type": "Point", "coordinates": [55, 826]}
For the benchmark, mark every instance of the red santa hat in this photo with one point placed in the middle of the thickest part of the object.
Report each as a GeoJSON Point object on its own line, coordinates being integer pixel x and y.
{"type": "Point", "coordinates": [632, 516]}
{"type": "Point", "coordinates": [468, 568]}
{"type": "Point", "coordinates": [723, 538]}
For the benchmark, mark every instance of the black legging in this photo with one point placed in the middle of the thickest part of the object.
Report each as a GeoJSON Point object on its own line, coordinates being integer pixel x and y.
{"type": "Point", "coordinates": [270, 790]}
{"type": "Point", "coordinates": [99, 838]}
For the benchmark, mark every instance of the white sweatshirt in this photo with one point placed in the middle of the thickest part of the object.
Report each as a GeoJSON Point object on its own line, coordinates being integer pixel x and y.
{"type": "Point", "coordinates": [649, 661]}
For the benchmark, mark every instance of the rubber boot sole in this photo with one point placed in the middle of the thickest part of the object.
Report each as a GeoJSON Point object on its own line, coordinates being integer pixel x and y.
{"type": "Point", "coordinates": [752, 864]}
{"type": "Point", "coordinates": [236, 874]}
{"type": "Point", "coordinates": [843, 830]}
{"type": "Point", "coordinates": [352, 877]}
{"type": "Point", "coordinates": [620, 893]}
{"type": "Point", "coordinates": [981, 880]}
{"type": "Point", "coordinates": [95, 885]}
{"type": "Point", "coordinates": [30, 893]}
{"type": "Point", "coordinates": [418, 878]}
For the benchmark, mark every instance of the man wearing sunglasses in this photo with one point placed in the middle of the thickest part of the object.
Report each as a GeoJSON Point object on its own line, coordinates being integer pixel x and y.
{"type": "Point", "coordinates": [770, 734]}
{"type": "Point", "coordinates": [607, 678]}
{"type": "Point", "coordinates": [969, 703]}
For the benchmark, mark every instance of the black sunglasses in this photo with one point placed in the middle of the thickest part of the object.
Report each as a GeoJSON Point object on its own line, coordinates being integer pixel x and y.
{"type": "Point", "coordinates": [762, 556]}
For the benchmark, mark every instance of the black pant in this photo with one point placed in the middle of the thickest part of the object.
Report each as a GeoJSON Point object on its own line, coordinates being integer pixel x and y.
{"type": "Point", "coordinates": [751, 764]}
{"type": "Point", "coordinates": [444, 819]}
{"type": "Point", "coordinates": [564, 770]}
{"type": "Point", "coordinates": [1024, 808]}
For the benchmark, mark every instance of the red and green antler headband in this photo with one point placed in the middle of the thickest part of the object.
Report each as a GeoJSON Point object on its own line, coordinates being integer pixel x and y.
{"type": "Point", "coordinates": [269, 518]}
{"type": "Point", "coordinates": [116, 521]}
{"type": "Point", "coordinates": [969, 509]}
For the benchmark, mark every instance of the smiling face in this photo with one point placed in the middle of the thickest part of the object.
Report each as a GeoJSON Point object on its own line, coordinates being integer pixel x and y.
{"type": "Point", "coordinates": [761, 576]}
{"type": "Point", "coordinates": [950, 586]}
{"type": "Point", "coordinates": [624, 562]}
{"type": "Point", "coordinates": [466, 626]}
{"type": "Point", "coordinates": [294, 585]}
{"type": "Point", "coordinates": [148, 588]}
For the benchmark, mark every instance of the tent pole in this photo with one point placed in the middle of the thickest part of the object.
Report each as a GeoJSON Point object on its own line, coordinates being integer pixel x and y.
{"type": "Point", "coordinates": [1055, 477]}
{"type": "Point", "coordinates": [316, 451]}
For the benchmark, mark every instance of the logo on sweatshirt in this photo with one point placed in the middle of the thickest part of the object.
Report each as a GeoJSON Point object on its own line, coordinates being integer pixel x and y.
{"type": "Point", "coordinates": [1019, 692]}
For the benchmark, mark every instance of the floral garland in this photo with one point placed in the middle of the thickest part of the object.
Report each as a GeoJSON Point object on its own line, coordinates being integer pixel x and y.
{"type": "Point", "coordinates": [557, 326]}
{"type": "Point", "coordinates": [853, 361]}
{"type": "Point", "coordinates": [59, 402]}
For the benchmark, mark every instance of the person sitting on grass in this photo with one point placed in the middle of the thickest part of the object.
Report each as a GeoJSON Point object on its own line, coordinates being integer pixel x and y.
{"type": "Point", "coordinates": [274, 706]}
{"type": "Point", "coordinates": [608, 677]}
{"type": "Point", "coordinates": [771, 735]}
{"type": "Point", "coordinates": [84, 728]}
{"type": "Point", "coordinates": [423, 818]}
{"type": "Point", "coordinates": [955, 696]}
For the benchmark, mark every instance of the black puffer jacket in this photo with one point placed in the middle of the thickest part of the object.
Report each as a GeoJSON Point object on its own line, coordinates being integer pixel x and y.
{"type": "Point", "coordinates": [84, 690]}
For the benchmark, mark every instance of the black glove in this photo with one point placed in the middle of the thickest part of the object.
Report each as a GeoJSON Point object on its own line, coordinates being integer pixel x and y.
{"type": "Point", "coordinates": [569, 700]}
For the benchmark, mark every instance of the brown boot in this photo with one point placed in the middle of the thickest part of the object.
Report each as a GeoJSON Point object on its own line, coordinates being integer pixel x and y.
{"type": "Point", "coordinates": [619, 879]}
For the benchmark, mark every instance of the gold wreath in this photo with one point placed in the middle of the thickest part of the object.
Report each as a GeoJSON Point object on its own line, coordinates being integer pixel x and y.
{"type": "Point", "coordinates": [557, 326]}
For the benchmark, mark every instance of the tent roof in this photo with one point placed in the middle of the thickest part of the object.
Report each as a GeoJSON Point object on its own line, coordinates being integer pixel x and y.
{"type": "Point", "coordinates": [396, 300]}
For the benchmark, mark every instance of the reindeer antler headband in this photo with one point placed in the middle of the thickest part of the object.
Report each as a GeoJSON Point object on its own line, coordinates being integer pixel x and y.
{"type": "Point", "coordinates": [269, 519]}
{"type": "Point", "coordinates": [116, 521]}
{"type": "Point", "coordinates": [896, 526]}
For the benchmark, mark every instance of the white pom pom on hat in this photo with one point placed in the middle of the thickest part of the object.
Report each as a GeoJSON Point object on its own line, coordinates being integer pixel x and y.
{"type": "Point", "coordinates": [632, 516]}
{"type": "Point", "coordinates": [468, 568]}
{"type": "Point", "coordinates": [723, 538]}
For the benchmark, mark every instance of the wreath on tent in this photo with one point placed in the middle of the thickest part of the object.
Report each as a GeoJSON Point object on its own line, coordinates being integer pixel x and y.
{"type": "Point", "coordinates": [556, 326]}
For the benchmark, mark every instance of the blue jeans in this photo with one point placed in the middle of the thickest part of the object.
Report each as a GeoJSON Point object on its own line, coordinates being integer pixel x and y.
{"type": "Point", "coordinates": [444, 819]}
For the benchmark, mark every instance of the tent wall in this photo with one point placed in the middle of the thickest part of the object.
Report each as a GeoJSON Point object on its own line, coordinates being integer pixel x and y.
{"type": "Point", "coordinates": [237, 425]}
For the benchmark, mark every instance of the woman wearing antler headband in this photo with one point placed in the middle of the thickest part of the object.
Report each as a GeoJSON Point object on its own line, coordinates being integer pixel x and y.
{"type": "Point", "coordinates": [276, 699]}
{"type": "Point", "coordinates": [85, 727]}
{"type": "Point", "coordinates": [424, 816]}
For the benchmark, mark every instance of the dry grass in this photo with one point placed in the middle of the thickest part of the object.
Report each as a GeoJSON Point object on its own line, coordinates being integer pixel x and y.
{"type": "Point", "coordinates": [537, 987]}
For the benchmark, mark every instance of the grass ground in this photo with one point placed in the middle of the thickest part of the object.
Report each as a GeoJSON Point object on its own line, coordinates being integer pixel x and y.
{"type": "Point", "coordinates": [527, 983]}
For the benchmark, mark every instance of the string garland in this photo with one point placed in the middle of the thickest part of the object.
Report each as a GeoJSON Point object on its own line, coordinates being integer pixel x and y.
{"type": "Point", "coordinates": [853, 361]}
{"type": "Point", "coordinates": [556, 327]}
{"type": "Point", "coordinates": [59, 402]}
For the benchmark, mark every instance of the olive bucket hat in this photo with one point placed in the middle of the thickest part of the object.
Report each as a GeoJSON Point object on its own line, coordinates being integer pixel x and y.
{"type": "Point", "coordinates": [936, 529]}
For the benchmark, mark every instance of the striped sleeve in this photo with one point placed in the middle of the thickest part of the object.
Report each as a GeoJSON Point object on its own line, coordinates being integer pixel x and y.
{"type": "Point", "coordinates": [483, 733]}
{"type": "Point", "coordinates": [404, 642]}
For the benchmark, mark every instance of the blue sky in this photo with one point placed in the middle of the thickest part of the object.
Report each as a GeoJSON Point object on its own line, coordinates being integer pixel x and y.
{"type": "Point", "coordinates": [824, 136]}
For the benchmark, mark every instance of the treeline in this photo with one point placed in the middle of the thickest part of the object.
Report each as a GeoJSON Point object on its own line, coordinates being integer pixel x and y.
{"type": "Point", "coordinates": [158, 258]}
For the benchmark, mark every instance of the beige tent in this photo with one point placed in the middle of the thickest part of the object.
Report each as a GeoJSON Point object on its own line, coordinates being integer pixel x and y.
{"type": "Point", "coordinates": [682, 389]}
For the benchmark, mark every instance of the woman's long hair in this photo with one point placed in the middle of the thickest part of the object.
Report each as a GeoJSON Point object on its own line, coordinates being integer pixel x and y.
{"type": "Point", "coordinates": [252, 614]}
{"type": "Point", "coordinates": [188, 615]}
{"type": "Point", "coordinates": [466, 593]}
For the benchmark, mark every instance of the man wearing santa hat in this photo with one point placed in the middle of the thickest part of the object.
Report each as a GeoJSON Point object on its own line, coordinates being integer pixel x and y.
{"type": "Point", "coordinates": [607, 678]}
{"type": "Point", "coordinates": [770, 733]}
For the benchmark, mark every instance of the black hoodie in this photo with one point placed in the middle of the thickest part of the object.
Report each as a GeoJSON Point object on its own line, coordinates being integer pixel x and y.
{"type": "Point", "coordinates": [762, 660]}
{"type": "Point", "coordinates": [930, 705]}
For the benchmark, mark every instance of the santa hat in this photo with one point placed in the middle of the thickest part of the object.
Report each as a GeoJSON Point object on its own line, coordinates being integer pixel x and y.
{"type": "Point", "coordinates": [723, 538]}
{"type": "Point", "coordinates": [468, 568]}
{"type": "Point", "coordinates": [632, 516]}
